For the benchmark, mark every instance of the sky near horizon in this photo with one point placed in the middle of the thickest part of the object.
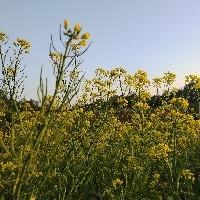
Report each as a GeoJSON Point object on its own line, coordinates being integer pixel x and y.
{"type": "Point", "coordinates": [154, 35]}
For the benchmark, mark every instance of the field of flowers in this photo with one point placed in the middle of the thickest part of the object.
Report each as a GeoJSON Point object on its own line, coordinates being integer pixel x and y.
{"type": "Point", "coordinates": [104, 138]}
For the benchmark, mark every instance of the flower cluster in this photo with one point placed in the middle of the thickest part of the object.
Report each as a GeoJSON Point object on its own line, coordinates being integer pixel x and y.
{"type": "Point", "coordinates": [10, 71]}
{"type": "Point", "coordinates": [193, 79]}
{"type": "Point", "coordinates": [169, 78]}
{"type": "Point", "coordinates": [3, 37]}
{"type": "Point", "coordinates": [160, 151]}
{"type": "Point", "coordinates": [78, 40]}
{"type": "Point", "coordinates": [117, 182]}
{"type": "Point", "coordinates": [179, 103]}
{"type": "Point", "coordinates": [56, 57]}
{"type": "Point", "coordinates": [187, 175]}
{"type": "Point", "coordinates": [23, 44]}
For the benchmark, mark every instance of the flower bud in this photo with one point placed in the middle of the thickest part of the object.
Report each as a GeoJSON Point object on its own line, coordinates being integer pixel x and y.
{"type": "Point", "coordinates": [85, 36]}
{"type": "Point", "coordinates": [77, 28]}
{"type": "Point", "coordinates": [66, 23]}
{"type": "Point", "coordinates": [82, 43]}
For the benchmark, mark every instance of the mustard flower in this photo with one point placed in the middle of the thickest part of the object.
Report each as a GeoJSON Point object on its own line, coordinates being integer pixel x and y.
{"type": "Point", "coordinates": [187, 175]}
{"type": "Point", "coordinates": [157, 82]}
{"type": "Point", "coordinates": [3, 37]}
{"type": "Point", "coordinates": [66, 24]}
{"type": "Point", "coordinates": [114, 73]}
{"type": "Point", "coordinates": [77, 28]}
{"type": "Point", "coordinates": [85, 36]}
{"type": "Point", "coordinates": [117, 182]}
{"type": "Point", "coordinates": [23, 44]}
{"type": "Point", "coordinates": [179, 102]}
{"type": "Point", "coordinates": [159, 151]}
{"type": "Point", "coordinates": [195, 79]}
{"type": "Point", "coordinates": [75, 47]}
{"type": "Point", "coordinates": [169, 78]}
{"type": "Point", "coordinates": [56, 57]}
{"type": "Point", "coordinates": [142, 106]}
{"type": "Point", "coordinates": [82, 43]}
{"type": "Point", "coordinates": [10, 71]}
{"type": "Point", "coordinates": [122, 101]}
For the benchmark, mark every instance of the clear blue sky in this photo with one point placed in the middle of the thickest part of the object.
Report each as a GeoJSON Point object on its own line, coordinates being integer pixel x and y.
{"type": "Point", "coordinates": [154, 35]}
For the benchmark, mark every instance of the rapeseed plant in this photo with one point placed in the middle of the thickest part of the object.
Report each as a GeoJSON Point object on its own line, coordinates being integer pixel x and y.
{"type": "Point", "coordinates": [108, 142]}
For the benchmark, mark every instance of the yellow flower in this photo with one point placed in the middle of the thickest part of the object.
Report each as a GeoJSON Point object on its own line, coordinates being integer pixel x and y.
{"type": "Point", "coordinates": [77, 28]}
{"type": "Point", "coordinates": [169, 78]}
{"type": "Point", "coordinates": [23, 44]}
{"type": "Point", "coordinates": [194, 79]}
{"type": "Point", "coordinates": [142, 106]}
{"type": "Point", "coordinates": [179, 102]}
{"type": "Point", "coordinates": [122, 101]}
{"type": "Point", "coordinates": [114, 73]}
{"type": "Point", "coordinates": [187, 175]}
{"type": "Point", "coordinates": [74, 46]}
{"type": "Point", "coordinates": [117, 182]}
{"type": "Point", "coordinates": [56, 57]}
{"type": "Point", "coordinates": [138, 80]}
{"type": "Point", "coordinates": [32, 197]}
{"type": "Point", "coordinates": [85, 36]}
{"type": "Point", "coordinates": [157, 82]}
{"type": "Point", "coordinates": [3, 37]}
{"type": "Point", "coordinates": [10, 71]}
{"type": "Point", "coordinates": [82, 43]}
{"type": "Point", "coordinates": [159, 151]}
{"type": "Point", "coordinates": [66, 24]}
{"type": "Point", "coordinates": [156, 176]}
